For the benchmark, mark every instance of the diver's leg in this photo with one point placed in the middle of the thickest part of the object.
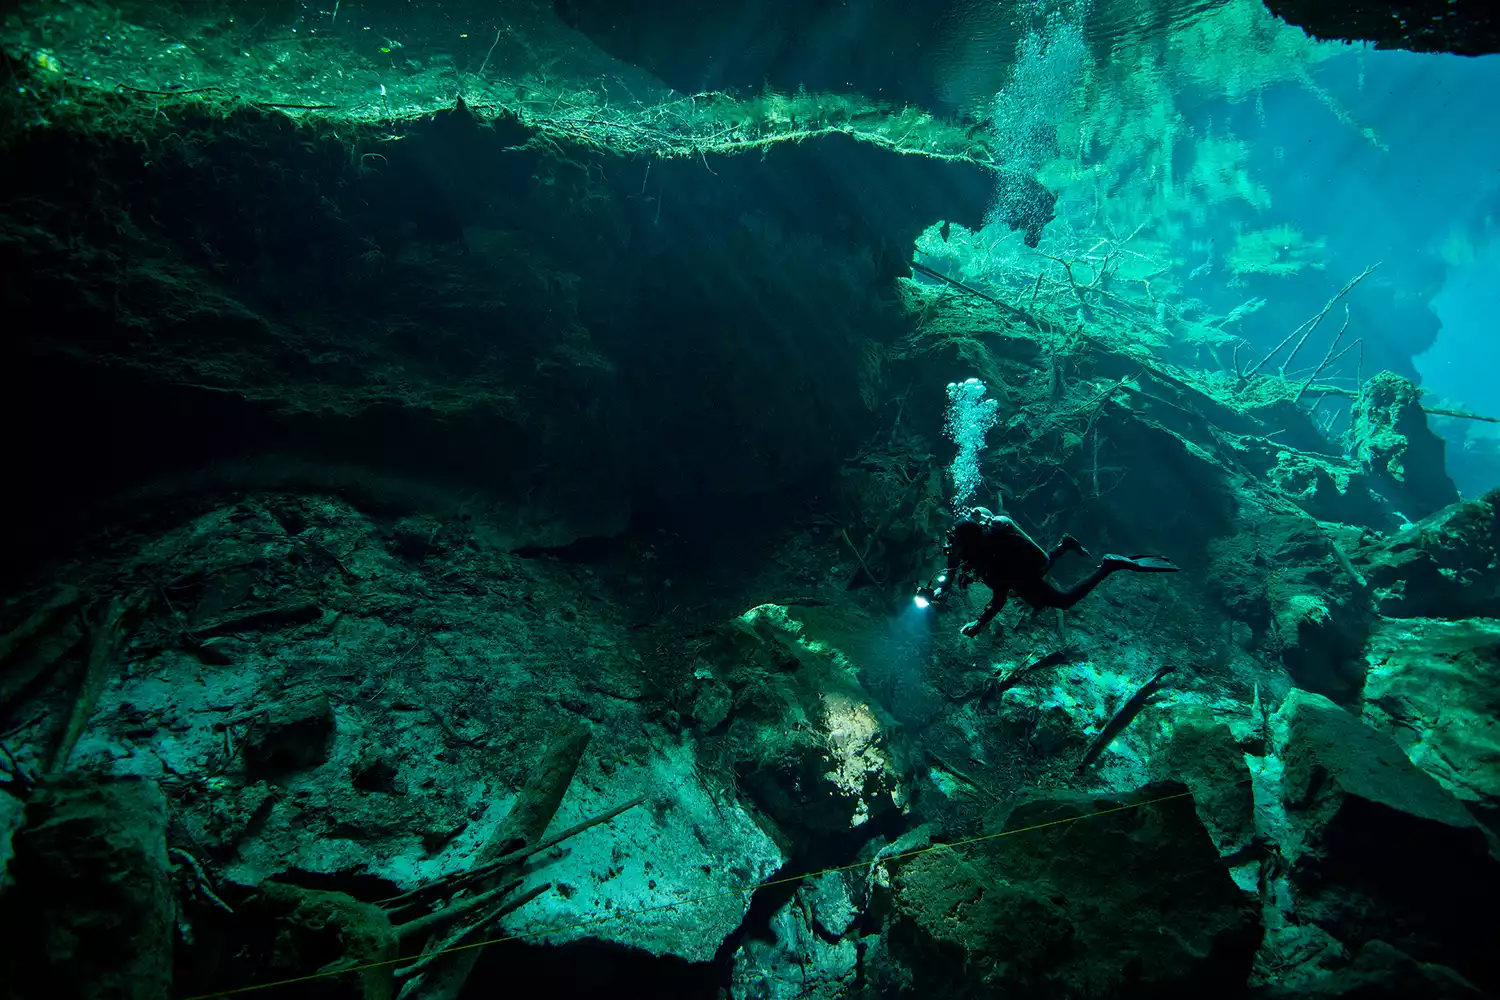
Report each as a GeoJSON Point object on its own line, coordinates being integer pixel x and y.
{"type": "Point", "coordinates": [1041, 594]}
{"type": "Point", "coordinates": [1066, 545]}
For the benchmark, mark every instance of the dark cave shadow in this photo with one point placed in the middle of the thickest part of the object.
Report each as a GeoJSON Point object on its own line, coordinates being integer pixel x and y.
{"type": "Point", "coordinates": [587, 969]}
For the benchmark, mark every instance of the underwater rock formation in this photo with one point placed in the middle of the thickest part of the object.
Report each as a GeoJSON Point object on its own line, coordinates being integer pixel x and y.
{"type": "Point", "coordinates": [1444, 566]}
{"type": "Point", "coordinates": [92, 910]}
{"type": "Point", "coordinates": [1381, 851]}
{"type": "Point", "coordinates": [806, 743]}
{"type": "Point", "coordinates": [1027, 909]}
{"type": "Point", "coordinates": [1377, 971]}
{"type": "Point", "coordinates": [379, 323]}
{"type": "Point", "coordinates": [1463, 27]}
{"type": "Point", "coordinates": [1389, 436]}
{"type": "Point", "coordinates": [1434, 686]}
{"type": "Point", "coordinates": [1319, 608]}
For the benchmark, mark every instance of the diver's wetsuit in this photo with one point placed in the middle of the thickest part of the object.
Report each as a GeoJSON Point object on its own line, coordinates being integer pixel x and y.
{"type": "Point", "coordinates": [1005, 559]}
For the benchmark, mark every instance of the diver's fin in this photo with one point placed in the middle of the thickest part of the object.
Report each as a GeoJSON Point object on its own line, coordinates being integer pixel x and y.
{"type": "Point", "coordinates": [1142, 564]}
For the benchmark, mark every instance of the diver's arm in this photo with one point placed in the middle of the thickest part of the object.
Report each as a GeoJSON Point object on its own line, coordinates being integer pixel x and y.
{"type": "Point", "coordinates": [997, 603]}
{"type": "Point", "coordinates": [950, 577]}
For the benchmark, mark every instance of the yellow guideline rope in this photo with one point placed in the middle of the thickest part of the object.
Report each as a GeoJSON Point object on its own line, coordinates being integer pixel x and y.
{"type": "Point", "coordinates": [595, 921]}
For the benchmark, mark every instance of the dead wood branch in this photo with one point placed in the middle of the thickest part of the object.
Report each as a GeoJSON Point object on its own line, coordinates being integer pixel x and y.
{"type": "Point", "coordinates": [1123, 717]}
{"type": "Point", "coordinates": [1439, 411]}
{"type": "Point", "coordinates": [1308, 327]}
{"type": "Point", "coordinates": [106, 636]}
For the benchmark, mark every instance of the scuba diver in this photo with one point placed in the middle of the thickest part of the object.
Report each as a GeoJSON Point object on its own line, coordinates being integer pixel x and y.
{"type": "Point", "coordinates": [994, 550]}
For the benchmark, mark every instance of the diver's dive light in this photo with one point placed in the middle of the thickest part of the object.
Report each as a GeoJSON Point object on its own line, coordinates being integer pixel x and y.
{"type": "Point", "coordinates": [931, 593]}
